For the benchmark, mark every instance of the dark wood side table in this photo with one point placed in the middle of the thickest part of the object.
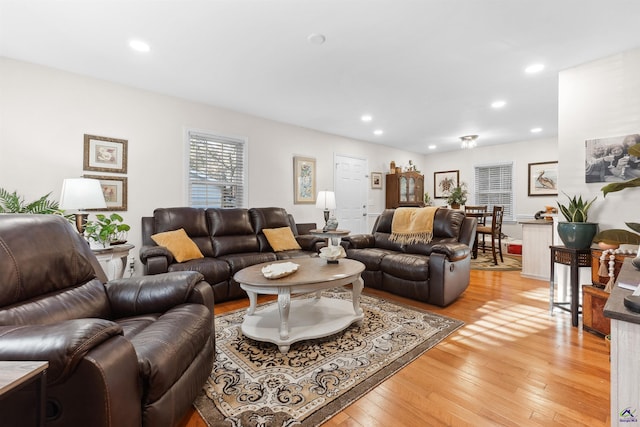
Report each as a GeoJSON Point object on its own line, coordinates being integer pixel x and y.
{"type": "Point", "coordinates": [16, 375]}
{"type": "Point", "coordinates": [574, 258]}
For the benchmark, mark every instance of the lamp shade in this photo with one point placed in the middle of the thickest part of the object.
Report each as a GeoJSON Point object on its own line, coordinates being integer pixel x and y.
{"type": "Point", "coordinates": [82, 193]}
{"type": "Point", "coordinates": [326, 200]}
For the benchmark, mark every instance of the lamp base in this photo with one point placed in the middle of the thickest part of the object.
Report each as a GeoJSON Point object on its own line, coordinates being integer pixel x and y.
{"type": "Point", "coordinates": [81, 221]}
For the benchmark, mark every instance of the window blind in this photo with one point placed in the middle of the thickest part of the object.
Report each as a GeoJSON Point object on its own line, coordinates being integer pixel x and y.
{"type": "Point", "coordinates": [494, 186]}
{"type": "Point", "coordinates": [216, 171]}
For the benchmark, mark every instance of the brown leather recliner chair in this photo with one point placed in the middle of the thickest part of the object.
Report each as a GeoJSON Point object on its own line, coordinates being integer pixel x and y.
{"type": "Point", "coordinates": [129, 352]}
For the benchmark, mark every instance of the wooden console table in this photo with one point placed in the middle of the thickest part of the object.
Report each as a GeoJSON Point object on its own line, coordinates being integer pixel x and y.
{"type": "Point", "coordinates": [575, 258]}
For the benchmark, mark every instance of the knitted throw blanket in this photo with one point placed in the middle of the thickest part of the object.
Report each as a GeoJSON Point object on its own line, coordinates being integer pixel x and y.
{"type": "Point", "coordinates": [412, 225]}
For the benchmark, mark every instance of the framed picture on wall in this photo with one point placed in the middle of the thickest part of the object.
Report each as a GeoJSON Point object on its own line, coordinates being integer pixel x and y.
{"type": "Point", "coordinates": [376, 179]}
{"type": "Point", "coordinates": [102, 154]}
{"type": "Point", "coordinates": [114, 189]}
{"type": "Point", "coordinates": [444, 182]}
{"type": "Point", "coordinates": [543, 179]}
{"type": "Point", "coordinates": [304, 180]}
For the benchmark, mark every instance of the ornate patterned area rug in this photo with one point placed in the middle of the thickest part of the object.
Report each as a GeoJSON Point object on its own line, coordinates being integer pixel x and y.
{"type": "Point", "coordinates": [253, 384]}
{"type": "Point", "coordinates": [485, 262]}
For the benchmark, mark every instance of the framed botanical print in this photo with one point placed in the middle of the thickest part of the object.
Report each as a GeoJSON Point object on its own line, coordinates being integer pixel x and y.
{"type": "Point", "coordinates": [304, 180]}
{"type": "Point", "coordinates": [114, 189]}
{"type": "Point", "coordinates": [102, 154]}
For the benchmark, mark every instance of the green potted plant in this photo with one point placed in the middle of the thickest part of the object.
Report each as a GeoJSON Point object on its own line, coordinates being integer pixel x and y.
{"type": "Point", "coordinates": [457, 196]}
{"type": "Point", "coordinates": [105, 230]}
{"type": "Point", "coordinates": [13, 203]}
{"type": "Point", "coordinates": [577, 232]}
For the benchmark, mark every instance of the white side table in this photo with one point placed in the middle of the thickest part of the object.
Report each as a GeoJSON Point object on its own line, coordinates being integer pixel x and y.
{"type": "Point", "coordinates": [113, 260]}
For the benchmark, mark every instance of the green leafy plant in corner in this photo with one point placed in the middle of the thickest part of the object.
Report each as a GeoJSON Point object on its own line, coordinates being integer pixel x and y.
{"type": "Point", "coordinates": [13, 203]}
{"type": "Point", "coordinates": [105, 228]}
{"type": "Point", "coordinates": [619, 236]}
{"type": "Point", "coordinates": [576, 210]}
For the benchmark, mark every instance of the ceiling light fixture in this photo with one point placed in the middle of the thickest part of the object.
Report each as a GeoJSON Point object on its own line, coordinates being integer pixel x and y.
{"type": "Point", "coordinates": [431, 147]}
{"type": "Point", "coordinates": [498, 104]}
{"type": "Point", "coordinates": [366, 118]}
{"type": "Point", "coordinates": [139, 46]}
{"type": "Point", "coordinates": [378, 132]}
{"type": "Point", "coordinates": [316, 38]}
{"type": "Point", "coordinates": [534, 68]}
{"type": "Point", "coordinates": [536, 130]}
{"type": "Point", "coordinates": [469, 141]}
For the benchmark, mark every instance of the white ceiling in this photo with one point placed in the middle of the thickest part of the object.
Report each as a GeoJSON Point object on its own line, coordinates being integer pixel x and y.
{"type": "Point", "coordinates": [426, 70]}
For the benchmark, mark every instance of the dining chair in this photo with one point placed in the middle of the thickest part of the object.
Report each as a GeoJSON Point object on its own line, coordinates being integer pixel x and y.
{"type": "Point", "coordinates": [479, 212]}
{"type": "Point", "coordinates": [495, 231]}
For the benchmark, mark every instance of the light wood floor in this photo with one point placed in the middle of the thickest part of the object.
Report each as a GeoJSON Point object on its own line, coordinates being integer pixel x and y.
{"type": "Point", "coordinates": [511, 364]}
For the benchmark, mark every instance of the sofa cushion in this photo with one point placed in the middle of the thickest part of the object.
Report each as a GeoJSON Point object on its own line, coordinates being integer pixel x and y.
{"type": "Point", "coordinates": [230, 231]}
{"type": "Point", "coordinates": [193, 221]}
{"type": "Point", "coordinates": [179, 244]}
{"type": "Point", "coordinates": [370, 257]}
{"type": "Point", "coordinates": [213, 270]}
{"type": "Point", "coordinates": [406, 266]}
{"type": "Point", "coordinates": [281, 239]}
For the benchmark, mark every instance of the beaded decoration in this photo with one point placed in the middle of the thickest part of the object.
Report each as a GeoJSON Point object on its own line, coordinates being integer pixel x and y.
{"type": "Point", "coordinates": [610, 269]}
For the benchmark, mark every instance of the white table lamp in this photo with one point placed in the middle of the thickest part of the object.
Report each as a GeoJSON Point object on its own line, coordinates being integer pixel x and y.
{"type": "Point", "coordinates": [81, 194]}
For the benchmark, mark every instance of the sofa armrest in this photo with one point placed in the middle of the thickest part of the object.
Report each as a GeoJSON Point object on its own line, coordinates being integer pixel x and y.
{"type": "Point", "coordinates": [151, 294]}
{"type": "Point", "coordinates": [63, 344]}
{"type": "Point", "coordinates": [360, 241]}
{"type": "Point", "coordinates": [308, 242]}
{"type": "Point", "coordinates": [156, 259]}
{"type": "Point", "coordinates": [453, 251]}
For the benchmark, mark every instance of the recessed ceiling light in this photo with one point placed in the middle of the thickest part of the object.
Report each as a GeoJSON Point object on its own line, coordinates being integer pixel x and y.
{"type": "Point", "coordinates": [366, 118]}
{"type": "Point", "coordinates": [432, 147]}
{"type": "Point", "coordinates": [139, 46]}
{"type": "Point", "coordinates": [498, 104]}
{"type": "Point", "coordinates": [316, 38]}
{"type": "Point", "coordinates": [378, 132]}
{"type": "Point", "coordinates": [536, 130]}
{"type": "Point", "coordinates": [534, 68]}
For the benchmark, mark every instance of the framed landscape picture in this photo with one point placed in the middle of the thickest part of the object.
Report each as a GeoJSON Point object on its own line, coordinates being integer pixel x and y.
{"type": "Point", "coordinates": [102, 154]}
{"type": "Point", "coordinates": [543, 179]}
{"type": "Point", "coordinates": [444, 182]}
{"type": "Point", "coordinates": [114, 189]}
{"type": "Point", "coordinates": [304, 180]}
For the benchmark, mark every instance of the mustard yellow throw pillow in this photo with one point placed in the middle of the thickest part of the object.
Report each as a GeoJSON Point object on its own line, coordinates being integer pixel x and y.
{"type": "Point", "coordinates": [281, 239]}
{"type": "Point", "coordinates": [179, 244]}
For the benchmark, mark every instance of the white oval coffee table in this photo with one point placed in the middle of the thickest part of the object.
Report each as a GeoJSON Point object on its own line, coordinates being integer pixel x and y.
{"type": "Point", "coordinates": [287, 321]}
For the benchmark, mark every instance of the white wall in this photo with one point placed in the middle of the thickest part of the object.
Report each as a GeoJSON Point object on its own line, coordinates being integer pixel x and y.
{"type": "Point", "coordinates": [44, 114]}
{"type": "Point", "coordinates": [599, 99]}
{"type": "Point", "coordinates": [520, 153]}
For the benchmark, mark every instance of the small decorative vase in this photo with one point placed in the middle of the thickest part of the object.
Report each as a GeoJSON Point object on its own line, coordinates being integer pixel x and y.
{"type": "Point", "coordinates": [332, 224]}
{"type": "Point", "coordinates": [577, 235]}
{"type": "Point", "coordinates": [455, 205]}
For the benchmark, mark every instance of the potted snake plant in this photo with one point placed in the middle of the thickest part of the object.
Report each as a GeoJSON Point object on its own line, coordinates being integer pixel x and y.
{"type": "Point", "coordinates": [576, 232]}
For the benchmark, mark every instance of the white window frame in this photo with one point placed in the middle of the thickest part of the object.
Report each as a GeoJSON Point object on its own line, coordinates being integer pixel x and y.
{"type": "Point", "coordinates": [496, 194]}
{"type": "Point", "coordinates": [240, 182]}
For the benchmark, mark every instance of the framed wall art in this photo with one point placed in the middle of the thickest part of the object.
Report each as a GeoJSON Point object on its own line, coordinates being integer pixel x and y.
{"type": "Point", "coordinates": [376, 179]}
{"type": "Point", "coordinates": [114, 189]}
{"type": "Point", "coordinates": [103, 154]}
{"type": "Point", "coordinates": [608, 159]}
{"type": "Point", "coordinates": [444, 182]}
{"type": "Point", "coordinates": [543, 179]}
{"type": "Point", "coordinates": [304, 180]}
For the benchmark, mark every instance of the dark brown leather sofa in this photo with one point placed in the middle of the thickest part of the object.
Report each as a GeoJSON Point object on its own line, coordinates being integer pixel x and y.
{"type": "Point", "coordinates": [129, 352]}
{"type": "Point", "coordinates": [436, 272]}
{"type": "Point", "coordinates": [229, 239]}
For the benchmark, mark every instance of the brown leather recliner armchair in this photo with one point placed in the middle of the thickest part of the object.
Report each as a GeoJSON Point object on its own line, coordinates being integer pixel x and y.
{"type": "Point", "coordinates": [129, 352]}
